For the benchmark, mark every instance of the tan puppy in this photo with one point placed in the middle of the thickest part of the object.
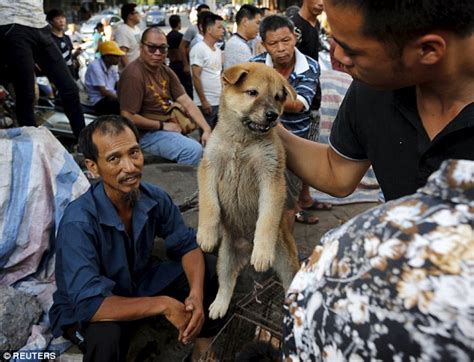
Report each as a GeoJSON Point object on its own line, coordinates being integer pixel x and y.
{"type": "Point", "coordinates": [242, 184]}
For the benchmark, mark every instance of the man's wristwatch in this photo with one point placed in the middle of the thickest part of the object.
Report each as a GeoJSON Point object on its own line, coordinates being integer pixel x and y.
{"type": "Point", "coordinates": [161, 126]}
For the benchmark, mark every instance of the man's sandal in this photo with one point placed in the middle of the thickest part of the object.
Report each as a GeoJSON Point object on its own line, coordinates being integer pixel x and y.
{"type": "Point", "coordinates": [318, 206]}
{"type": "Point", "coordinates": [305, 217]}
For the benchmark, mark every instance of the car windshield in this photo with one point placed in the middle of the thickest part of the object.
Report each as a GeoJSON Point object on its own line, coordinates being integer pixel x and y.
{"type": "Point", "coordinates": [155, 13]}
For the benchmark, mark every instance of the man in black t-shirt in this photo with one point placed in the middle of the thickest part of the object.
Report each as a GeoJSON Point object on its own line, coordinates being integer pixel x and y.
{"type": "Point", "coordinates": [176, 63]}
{"type": "Point", "coordinates": [57, 20]}
{"type": "Point", "coordinates": [411, 105]}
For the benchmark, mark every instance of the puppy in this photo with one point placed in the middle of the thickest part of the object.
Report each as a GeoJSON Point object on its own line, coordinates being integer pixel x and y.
{"type": "Point", "coordinates": [241, 181]}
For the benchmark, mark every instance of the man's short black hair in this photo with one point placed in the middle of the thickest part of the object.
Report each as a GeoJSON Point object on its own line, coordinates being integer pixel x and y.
{"type": "Point", "coordinates": [273, 23]}
{"type": "Point", "coordinates": [206, 20]}
{"type": "Point", "coordinates": [202, 7]}
{"type": "Point", "coordinates": [398, 21]}
{"type": "Point", "coordinates": [54, 13]}
{"type": "Point", "coordinates": [110, 125]}
{"type": "Point", "coordinates": [174, 21]}
{"type": "Point", "coordinates": [126, 10]}
{"type": "Point", "coordinates": [247, 11]}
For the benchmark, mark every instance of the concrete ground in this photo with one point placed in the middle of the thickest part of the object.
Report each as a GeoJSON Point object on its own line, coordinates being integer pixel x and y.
{"type": "Point", "coordinates": [181, 183]}
{"type": "Point", "coordinates": [157, 341]}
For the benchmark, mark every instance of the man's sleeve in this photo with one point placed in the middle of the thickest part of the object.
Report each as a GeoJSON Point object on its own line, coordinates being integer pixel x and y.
{"type": "Point", "coordinates": [95, 77]}
{"type": "Point", "coordinates": [179, 239]}
{"type": "Point", "coordinates": [189, 34]}
{"type": "Point", "coordinates": [78, 271]}
{"type": "Point", "coordinates": [131, 91]}
{"type": "Point", "coordinates": [195, 56]}
{"type": "Point", "coordinates": [306, 87]}
{"type": "Point", "coordinates": [345, 138]}
{"type": "Point", "coordinates": [122, 39]}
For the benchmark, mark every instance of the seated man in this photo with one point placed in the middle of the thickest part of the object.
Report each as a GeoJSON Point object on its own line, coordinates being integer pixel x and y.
{"type": "Point", "coordinates": [392, 284]}
{"type": "Point", "coordinates": [102, 77]}
{"type": "Point", "coordinates": [148, 91]}
{"type": "Point", "coordinates": [302, 72]}
{"type": "Point", "coordinates": [105, 274]}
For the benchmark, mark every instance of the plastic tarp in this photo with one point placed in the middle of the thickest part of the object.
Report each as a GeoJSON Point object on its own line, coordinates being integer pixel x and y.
{"type": "Point", "coordinates": [38, 179]}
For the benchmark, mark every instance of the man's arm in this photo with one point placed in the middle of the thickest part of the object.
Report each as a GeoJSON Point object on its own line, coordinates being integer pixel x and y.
{"type": "Point", "coordinates": [197, 83]}
{"type": "Point", "coordinates": [320, 166]}
{"type": "Point", "coordinates": [295, 106]}
{"type": "Point", "coordinates": [193, 265]}
{"type": "Point", "coordinates": [107, 93]}
{"type": "Point", "coordinates": [196, 115]}
{"type": "Point", "coordinates": [115, 308]}
{"type": "Point", "coordinates": [149, 124]}
{"type": "Point", "coordinates": [124, 58]}
{"type": "Point", "coordinates": [184, 50]}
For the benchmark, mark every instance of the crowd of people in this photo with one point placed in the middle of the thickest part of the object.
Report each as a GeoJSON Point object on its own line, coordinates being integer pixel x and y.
{"type": "Point", "coordinates": [394, 283]}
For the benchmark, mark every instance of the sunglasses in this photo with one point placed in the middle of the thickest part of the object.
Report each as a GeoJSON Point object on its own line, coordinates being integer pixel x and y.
{"type": "Point", "coordinates": [163, 48]}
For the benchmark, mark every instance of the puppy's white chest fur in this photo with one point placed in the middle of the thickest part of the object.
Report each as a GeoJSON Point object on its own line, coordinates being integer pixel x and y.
{"type": "Point", "coordinates": [240, 168]}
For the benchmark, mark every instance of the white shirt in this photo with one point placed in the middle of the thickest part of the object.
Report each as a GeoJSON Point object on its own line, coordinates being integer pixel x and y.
{"type": "Point", "coordinates": [211, 63]}
{"type": "Point", "coordinates": [24, 12]}
{"type": "Point", "coordinates": [129, 37]}
{"type": "Point", "coordinates": [237, 50]}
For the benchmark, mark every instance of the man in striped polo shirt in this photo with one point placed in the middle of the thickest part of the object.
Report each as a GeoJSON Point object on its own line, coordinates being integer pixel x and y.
{"type": "Point", "coordinates": [302, 72]}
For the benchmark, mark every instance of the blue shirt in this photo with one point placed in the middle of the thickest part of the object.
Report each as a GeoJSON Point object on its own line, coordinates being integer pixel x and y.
{"type": "Point", "coordinates": [304, 79]}
{"type": "Point", "coordinates": [95, 258]}
{"type": "Point", "coordinates": [97, 75]}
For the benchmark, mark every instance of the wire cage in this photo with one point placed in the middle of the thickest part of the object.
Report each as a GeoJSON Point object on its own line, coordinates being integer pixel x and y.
{"type": "Point", "coordinates": [264, 305]}
{"type": "Point", "coordinates": [258, 318]}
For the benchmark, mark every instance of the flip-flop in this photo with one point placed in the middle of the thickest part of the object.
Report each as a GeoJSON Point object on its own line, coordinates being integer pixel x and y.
{"type": "Point", "coordinates": [318, 206]}
{"type": "Point", "coordinates": [304, 217]}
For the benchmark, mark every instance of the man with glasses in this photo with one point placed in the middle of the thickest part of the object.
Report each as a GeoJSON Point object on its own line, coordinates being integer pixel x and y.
{"type": "Point", "coordinates": [150, 93]}
{"type": "Point", "coordinates": [128, 34]}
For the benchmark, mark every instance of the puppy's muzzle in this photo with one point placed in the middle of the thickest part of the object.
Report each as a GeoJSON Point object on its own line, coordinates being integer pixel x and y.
{"type": "Point", "coordinates": [271, 116]}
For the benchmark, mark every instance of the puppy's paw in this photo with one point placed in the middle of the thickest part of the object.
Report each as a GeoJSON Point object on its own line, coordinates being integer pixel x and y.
{"type": "Point", "coordinates": [262, 259]}
{"type": "Point", "coordinates": [207, 238]}
{"type": "Point", "coordinates": [218, 308]}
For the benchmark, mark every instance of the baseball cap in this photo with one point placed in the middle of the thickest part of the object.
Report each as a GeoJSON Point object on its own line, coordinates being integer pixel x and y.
{"type": "Point", "coordinates": [110, 48]}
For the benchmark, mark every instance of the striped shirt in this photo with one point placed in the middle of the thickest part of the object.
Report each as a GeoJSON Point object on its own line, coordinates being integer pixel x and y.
{"type": "Point", "coordinates": [304, 80]}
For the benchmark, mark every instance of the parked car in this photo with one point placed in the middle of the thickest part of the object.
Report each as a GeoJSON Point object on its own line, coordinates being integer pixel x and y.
{"type": "Point", "coordinates": [156, 17]}
{"type": "Point", "coordinates": [87, 28]}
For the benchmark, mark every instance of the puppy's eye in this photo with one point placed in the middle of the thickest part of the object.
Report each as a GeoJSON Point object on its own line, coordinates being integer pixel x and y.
{"type": "Point", "coordinates": [280, 97]}
{"type": "Point", "coordinates": [252, 92]}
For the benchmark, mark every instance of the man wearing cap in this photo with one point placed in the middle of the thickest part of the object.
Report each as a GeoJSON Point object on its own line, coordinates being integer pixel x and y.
{"type": "Point", "coordinates": [101, 79]}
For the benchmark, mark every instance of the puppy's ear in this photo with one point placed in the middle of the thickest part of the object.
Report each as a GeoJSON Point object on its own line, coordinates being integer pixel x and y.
{"type": "Point", "coordinates": [290, 92]}
{"type": "Point", "coordinates": [234, 74]}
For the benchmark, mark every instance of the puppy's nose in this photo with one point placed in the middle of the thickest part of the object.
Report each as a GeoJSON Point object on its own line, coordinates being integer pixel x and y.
{"type": "Point", "coordinates": [271, 116]}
